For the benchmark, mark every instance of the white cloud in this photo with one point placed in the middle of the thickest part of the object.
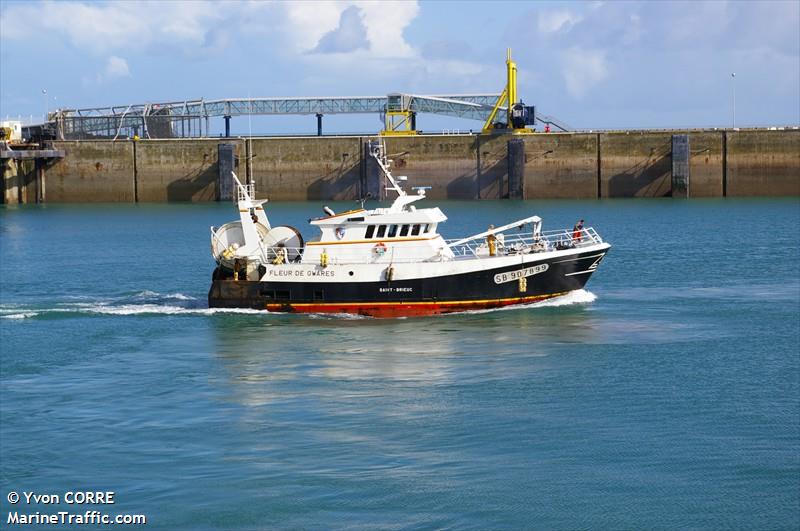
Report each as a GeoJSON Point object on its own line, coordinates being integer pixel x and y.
{"type": "Point", "coordinates": [704, 22]}
{"type": "Point", "coordinates": [99, 28]}
{"type": "Point", "coordinates": [633, 31]}
{"type": "Point", "coordinates": [382, 54]}
{"type": "Point", "coordinates": [186, 26]}
{"type": "Point", "coordinates": [116, 67]}
{"type": "Point", "coordinates": [349, 36]}
{"type": "Point", "coordinates": [555, 21]}
{"type": "Point", "coordinates": [307, 22]}
{"type": "Point", "coordinates": [582, 69]}
{"type": "Point", "coordinates": [385, 22]}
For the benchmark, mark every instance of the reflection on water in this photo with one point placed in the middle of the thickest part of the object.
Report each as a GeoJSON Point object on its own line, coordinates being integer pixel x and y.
{"type": "Point", "coordinates": [270, 358]}
{"type": "Point", "coordinates": [273, 357]}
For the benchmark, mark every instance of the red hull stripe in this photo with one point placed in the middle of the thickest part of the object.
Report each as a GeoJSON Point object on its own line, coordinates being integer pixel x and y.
{"type": "Point", "coordinates": [397, 309]}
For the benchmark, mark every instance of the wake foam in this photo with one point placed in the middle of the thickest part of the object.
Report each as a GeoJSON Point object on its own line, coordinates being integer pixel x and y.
{"type": "Point", "coordinates": [579, 296]}
{"type": "Point", "coordinates": [22, 315]}
{"type": "Point", "coordinates": [142, 303]}
{"type": "Point", "coordinates": [156, 309]}
{"type": "Point", "coordinates": [148, 295]}
{"type": "Point", "coordinates": [153, 303]}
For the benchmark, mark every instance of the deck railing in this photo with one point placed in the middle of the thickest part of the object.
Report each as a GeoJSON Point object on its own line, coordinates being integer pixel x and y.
{"type": "Point", "coordinates": [525, 243]}
{"type": "Point", "coordinates": [506, 244]}
{"type": "Point", "coordinates": [249, 189]}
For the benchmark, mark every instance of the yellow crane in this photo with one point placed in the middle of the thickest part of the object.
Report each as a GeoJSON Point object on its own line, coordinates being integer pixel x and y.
{"type": "Point", "coordinates": [400, 120]}
{"type": "Point", "coordinates": [518, 116]}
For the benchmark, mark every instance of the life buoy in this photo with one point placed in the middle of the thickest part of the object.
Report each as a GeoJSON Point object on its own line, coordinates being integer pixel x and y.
{"type": "Point", "coordinates": [379, 249]}
{"type": "Point", "coordinates": [340, 232]}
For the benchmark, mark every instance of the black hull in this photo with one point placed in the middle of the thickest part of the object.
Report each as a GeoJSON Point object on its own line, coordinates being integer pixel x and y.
{"type": "Point", "coordinates": [408, 297]}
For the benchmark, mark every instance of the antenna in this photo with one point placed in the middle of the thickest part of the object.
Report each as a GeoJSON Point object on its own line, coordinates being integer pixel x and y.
{"type": "Point", "coordinates": [378, 152]}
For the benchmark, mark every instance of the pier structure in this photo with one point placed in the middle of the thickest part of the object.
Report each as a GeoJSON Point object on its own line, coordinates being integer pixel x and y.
{"type": "Point", "coordinates": [191, 118]}
{"type": "Point", "coordinates": [22, 171]}
{"type": "Point", "coordinates": [577, 165]}
{"type": "Point", "coordinates": [500, 113]}
{"type": "Point", "coordinates": [154, 152]}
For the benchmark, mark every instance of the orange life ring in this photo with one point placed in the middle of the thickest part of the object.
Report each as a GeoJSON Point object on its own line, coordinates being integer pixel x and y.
{"type": "Point", "coordinates": [380, 248]}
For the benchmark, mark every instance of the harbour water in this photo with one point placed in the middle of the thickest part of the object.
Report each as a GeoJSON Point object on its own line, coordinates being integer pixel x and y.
{"type": "Point", "coordinates": [666, 395]}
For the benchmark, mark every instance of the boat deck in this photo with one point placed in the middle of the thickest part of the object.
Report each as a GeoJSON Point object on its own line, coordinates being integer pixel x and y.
{"type": "Point", "coordinates": [526, 243]}
{"type": "Point", "coordinates": [506, 244]}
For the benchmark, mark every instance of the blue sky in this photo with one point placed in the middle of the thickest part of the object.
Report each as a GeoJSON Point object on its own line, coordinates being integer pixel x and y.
{"type": "Point", "coordinates": [594, 65]}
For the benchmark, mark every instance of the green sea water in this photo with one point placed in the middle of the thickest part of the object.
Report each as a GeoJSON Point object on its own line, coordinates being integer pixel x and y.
{"type": "Point", "coordinates": [666, 395]}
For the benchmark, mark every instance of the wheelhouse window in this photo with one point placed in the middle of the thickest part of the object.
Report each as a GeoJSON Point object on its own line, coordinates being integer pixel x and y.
{"type": "Point", "coordinates": [415, 230]}
{"type": "Point", "coordinates": [404, 230]}
{"type": "Point", "coordinates": [381, 231]}
{"type": "Point", "coordinates": [426, 228]}
{"type": "Point", "coordinates": [392, 231]}
{"type": "Point", "coordinates": [370, 231]}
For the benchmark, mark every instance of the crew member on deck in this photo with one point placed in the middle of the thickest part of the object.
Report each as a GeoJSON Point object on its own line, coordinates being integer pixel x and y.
{"type": "Point", "coordinates": [577, 232]}
{"type": "Point", "coordinates": [281, 256]}
{"type": "Point", "coordinates": [491, 241]}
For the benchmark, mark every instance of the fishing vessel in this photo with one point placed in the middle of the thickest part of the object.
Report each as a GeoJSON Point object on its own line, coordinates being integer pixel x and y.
{"type": "Point", "coordinates": [392, 261]}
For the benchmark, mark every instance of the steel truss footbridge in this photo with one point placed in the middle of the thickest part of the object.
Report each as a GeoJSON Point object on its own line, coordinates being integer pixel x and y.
{"type": "Point", "coordinates": [191, 118]}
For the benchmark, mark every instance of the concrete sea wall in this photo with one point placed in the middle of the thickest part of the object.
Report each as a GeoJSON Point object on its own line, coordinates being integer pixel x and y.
{"type": "Point", "coordinates": [753, 162]}
{"type": "Point", "coordinates": [292, 169]}
{"type": "Point", "coordinates": [762, 163]}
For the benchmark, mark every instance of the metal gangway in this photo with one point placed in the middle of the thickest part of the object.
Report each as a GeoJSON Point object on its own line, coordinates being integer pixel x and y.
{"type": "Point", "coordinates": [190, 118]}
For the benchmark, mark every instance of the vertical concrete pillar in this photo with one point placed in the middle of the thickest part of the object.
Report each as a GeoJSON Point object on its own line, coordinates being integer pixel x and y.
{"type": "Point", "coordinates": [724, 164]}
{"type": "Point", "coordinates": [41, 191]}
{"type": "Point", "coordinates": [135, 173]}
{"type": "Point", "coordinates": [680, 166]}
{"type": "Point", "coordinates": [599, 169]}
{"type": "Point", "coordinates": [23, 180]}
{"type": "Point", "coordinates": [35, 181]}
{"type": "Point", "coordinates": [10, 182]}
{"type": "Point", "coordinates": [319, 124]}
{"type": "Point", "coordinates": [224, 179]}
{"type": "Point", "coordinates": [248, 161]}
{"type": "Point", "coordinates": [372, 176]}
{"type": "Point", "coordinates": [516, 168]}
{"type": "Point", "coordinates": [15, 186]}
{"type": "Point", "coordinates": [227, 126]}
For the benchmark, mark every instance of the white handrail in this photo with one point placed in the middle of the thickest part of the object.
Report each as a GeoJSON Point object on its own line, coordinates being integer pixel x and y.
{"type": "Point", "coordinates": [511, 244]}
{"type": "Point", "coordinates": [531, 219]}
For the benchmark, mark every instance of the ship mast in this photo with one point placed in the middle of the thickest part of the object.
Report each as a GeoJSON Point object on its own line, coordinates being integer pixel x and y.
{"type": "Point", "coordinates": [378, 152]}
